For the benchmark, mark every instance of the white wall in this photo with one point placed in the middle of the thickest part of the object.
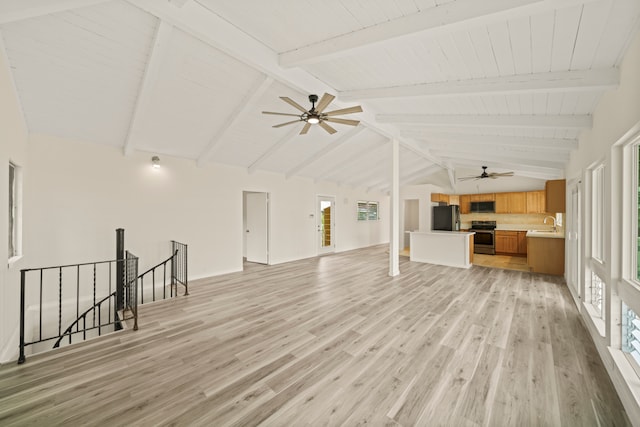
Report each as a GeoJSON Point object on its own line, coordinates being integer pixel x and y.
{"type": "Point", "coordinates": [13, 143]}
{"type": "Point", "coordinates": [76, 201]}
{"type": "Point", "coordinates": [616, 113]}
{"type": "Point", "coordinates": [77, 194]}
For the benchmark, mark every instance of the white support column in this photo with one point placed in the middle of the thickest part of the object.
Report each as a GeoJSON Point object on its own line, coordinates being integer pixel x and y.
{"type": "Point", "coordinates": [394, 238]}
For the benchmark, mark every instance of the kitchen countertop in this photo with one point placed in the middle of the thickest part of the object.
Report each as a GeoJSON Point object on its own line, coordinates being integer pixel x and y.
{"type": "Point", "coordinates": [546, 234]}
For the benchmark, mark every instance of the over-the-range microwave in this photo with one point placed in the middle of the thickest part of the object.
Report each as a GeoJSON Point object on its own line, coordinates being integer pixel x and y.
{"type": "Point", "coordinates": [483, 207]}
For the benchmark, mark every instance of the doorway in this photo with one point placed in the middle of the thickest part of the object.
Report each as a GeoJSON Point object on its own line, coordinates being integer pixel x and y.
{"type": "Point", "coordinates": [326, 224]}
{"type": "Point", "coordinates": [256, 226]}
{"type": "Point", "coordinates": [411, 221]}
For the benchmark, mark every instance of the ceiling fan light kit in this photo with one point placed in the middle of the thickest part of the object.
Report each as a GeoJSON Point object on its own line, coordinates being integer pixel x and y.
{"type": "Point", "coordinates": [316, 115]}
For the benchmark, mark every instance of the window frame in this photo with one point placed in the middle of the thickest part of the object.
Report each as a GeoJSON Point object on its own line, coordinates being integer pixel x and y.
{"type": "Point", "coordinates": [364, 210]}
{"type": "Point", "coordinates": [14, 237]}
{"type": "Point", "coordinates": [598, 213]}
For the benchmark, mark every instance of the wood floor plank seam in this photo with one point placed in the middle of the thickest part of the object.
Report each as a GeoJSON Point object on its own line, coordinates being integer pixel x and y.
{"type": "Point", "coordinates": [332, 341]}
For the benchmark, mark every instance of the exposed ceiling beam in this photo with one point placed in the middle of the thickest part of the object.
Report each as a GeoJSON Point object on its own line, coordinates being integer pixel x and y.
{"type": "Point", "coordinates": [563, 81]}
{"type": "Point", "coordinates": [445, 17]}
{"type": "Point", "coordinates": [4, 59]}
{"type": "Point", "coordinates": [271, 150]}
{"type": "Point", "coordinates": [359, 158]}
{"type": "Point", "coordinates": [505, 160]}
{"type": "Point", "coordinates": [366, 178]}
{"type": "Point", "coordinates": [18, 10]}
{"type": "Point", "coordinates": [419, 173]}
{"type": "Point", "coordinates": [484, 152]}
{"type": "Point", "coordinates": [149, 79]}
{"type": "Point", "coordinates": [452, 178]}
{"type": "Point", "coordinates": [493, 140]}
{"type": "Point", "coordinates": [210, 28]}
{"type": "Point", "coordinates": [323, 152]}
{"type": "Point", "coordinates": [506, 121]}
{"type": "Point", "coordinates": [254, 93]}
{"type": "Point", "coordinates": [520, 170]}
{"type": "Point", "coordinates": [425, 154]}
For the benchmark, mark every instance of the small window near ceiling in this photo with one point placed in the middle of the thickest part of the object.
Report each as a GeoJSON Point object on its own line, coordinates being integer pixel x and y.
{"type": "Point", "coordinates": [368, 211]}
{"type": "Point", "coordinates": [15, 211]}
{"type": "Point", "coordinates": [597, 214]}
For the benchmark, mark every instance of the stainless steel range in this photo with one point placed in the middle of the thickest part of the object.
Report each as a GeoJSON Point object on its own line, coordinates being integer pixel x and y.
{"type": "Point", "coordinates": [484, 242]}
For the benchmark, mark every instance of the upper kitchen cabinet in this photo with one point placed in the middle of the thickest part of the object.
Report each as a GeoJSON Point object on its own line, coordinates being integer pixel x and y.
{"type": "Point", "coordinates": [465, 203]}
{"type": "Point", "coordinates": [439, 197]}
{"type": "Point", "coordinates": [511, 203]}
{"type": "Point", "coordinates": [537, 201]}
{"type": "Point", "coordinates": [484, 197]}
{"type": "Point", "coordinates": [555, 195]}
{"type": "Point", "coordinates": [454, 199]}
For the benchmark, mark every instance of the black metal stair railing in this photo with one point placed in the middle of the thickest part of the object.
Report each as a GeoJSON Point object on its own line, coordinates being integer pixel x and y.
{"type": "Point", "coordinates": [60, 298]}
{"type": "Point", "coordinates": [129, 312]}
{"type": "Point", "coordinates": [118, 279]}
{"type": "Point", "coordinates": [157, 280]}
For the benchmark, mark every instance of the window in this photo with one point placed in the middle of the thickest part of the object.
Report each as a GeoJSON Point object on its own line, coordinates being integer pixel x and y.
{"type": "Point", "coordinates": [631, 335]}
{"type": "Point", "coordinates": [597, 294]}
{"type": "Point", "coordinates": [15, 211]}
{"type": "Point", "coordinates": [367, 211]}
{"type": "Point", "coordinates": [637, 194]}
{"type": "Point", "coordinates": [597, 214]}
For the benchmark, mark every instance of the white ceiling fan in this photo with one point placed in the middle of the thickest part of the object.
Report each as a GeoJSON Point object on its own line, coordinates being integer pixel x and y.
{"type": "Point", "coordinates": [484, 174]}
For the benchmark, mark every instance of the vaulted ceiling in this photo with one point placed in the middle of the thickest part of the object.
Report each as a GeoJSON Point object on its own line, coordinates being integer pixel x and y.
{"type": "Point", "coordinates": [509, 84]}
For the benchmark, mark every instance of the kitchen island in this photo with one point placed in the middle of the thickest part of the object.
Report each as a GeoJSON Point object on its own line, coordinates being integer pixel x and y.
{"type": "Point", "coordinates": [450, 248]}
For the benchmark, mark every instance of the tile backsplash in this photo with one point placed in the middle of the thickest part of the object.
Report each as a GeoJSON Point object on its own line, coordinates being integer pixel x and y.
{"type": "Point", "coordinates": [508, 221]}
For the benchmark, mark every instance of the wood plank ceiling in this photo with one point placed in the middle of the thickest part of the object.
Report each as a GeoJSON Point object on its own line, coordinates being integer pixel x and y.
{"type": "Point", "coordinates": [509, 84]}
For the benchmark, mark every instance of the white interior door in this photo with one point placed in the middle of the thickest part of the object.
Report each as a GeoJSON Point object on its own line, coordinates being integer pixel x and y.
{"type": "Point", "coordinates": [326, 224]}
{"type": "Point", "coordinates": [256, 230]}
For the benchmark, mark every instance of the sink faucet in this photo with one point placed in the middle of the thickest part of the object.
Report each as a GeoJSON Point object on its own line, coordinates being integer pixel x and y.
{"type": "Point", "coordinates": [552, 219]}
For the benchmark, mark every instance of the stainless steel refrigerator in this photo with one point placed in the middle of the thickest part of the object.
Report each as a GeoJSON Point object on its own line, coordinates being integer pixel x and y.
{"type": "Point", "coordinates": [446, 218]}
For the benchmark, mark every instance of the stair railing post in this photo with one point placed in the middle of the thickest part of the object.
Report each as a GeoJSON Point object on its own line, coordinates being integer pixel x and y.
{"type": "Point", "coordinates": [119, 305]}
{"type": "Point", "coordinates": [21, 359]}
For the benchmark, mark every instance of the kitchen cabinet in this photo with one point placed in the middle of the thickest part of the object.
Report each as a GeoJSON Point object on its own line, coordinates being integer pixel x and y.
{"type": "Point", "coordinates": [522, 243]}
{"type": "Point", "coordinates": [484, 197]}
{"type": "Point", "coordinates": [511, 242]}
{"type": "Point", "coordinates": [537, 201]}
{"type": "Point", "coordinates": [439, 197]}
{"type": "Point", "coordinates": [555, 191]}
{"type": "Point", "coordinates": [465, 203]}
{"type": "Point", "coordinates": [506, 242]}
{"type": "Point", "coordinates": [511, 203]}
{"type": "Point", "coordinates": [454, 199]}
{"type": "Point", "coordinates": [545, 255]}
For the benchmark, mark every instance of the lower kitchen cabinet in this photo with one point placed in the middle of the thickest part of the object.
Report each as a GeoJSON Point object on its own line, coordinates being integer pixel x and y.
{"type": "Point", "coordinates": [545, 255]}
{"type": "Point", "coordinates": [506, 242]}
{"type": "Point", "coordinates": [511, 242]}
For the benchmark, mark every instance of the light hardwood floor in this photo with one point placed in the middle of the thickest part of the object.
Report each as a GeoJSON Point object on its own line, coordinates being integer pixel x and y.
{"type": "Point", "coordinates": [501, 261]}
{"type": "Point", "coordinates": [332, 341]}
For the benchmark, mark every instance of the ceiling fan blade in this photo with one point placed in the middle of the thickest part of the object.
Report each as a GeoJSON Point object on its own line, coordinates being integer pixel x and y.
{"type": "Point", "coordinates": [287, 123]}
{"type": "Point", "coordinates": [293, 103]}
{"type": "Point", "coordinates": [342, 121]}
{"type": "Point", "coordinates": [280, 114]}
{"type": "Point", "coordinates": [502, 174]}
{"type": "Point", "coordinates": [349, 110]}
{"type": "Point", "coordinates": [467, 178]}
{"type": "Point", "coordinates": [328, 128]}
{"type": "Point", "coordinates": [324, 102]}
{"type": "Point", "coordinates": [305, 128]}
